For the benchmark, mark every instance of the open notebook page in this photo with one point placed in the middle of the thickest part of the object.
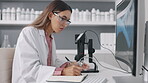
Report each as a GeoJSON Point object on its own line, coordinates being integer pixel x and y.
{"type": "Point", "coordinates": [76, 79]}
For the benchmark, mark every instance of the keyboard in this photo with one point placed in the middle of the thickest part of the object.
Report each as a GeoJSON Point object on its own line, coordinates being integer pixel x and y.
{"type": "Point", "coordinates": [94, 79]}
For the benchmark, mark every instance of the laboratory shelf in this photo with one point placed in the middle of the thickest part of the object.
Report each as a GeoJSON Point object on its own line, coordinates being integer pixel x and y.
{"type": "Point", "coordinates": [6, 23]}
{"type": "Point", "coordinates": [93, 23]}
{"type": "Point", "coordinates": [15, 23]}
{"type": "Point", "coordinates": [65, 0]}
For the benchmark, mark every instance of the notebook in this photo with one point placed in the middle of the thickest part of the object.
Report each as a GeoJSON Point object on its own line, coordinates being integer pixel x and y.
{"type": "Point", "coordinates": [70, 79]}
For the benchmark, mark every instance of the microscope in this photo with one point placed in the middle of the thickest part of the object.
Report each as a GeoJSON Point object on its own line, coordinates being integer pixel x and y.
{"type": "Point", "coordinates": [80, 41]}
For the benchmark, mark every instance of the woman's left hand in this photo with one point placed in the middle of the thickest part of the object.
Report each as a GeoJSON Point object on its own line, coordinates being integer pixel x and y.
{"type": "Point", "coordinates": [85, 66]}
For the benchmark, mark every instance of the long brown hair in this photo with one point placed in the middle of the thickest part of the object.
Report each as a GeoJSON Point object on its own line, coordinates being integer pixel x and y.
{"type": "Point", "coordinates": [43, 21]}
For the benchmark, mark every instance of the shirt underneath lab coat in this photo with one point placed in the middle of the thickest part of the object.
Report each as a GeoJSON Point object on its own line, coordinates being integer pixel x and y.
{"type": "Point", "coordinates": [30, 59]}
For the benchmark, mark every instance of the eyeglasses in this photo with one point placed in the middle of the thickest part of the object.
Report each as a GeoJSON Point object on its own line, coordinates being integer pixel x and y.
{"type": "Point", "coordinates": [63, 20]}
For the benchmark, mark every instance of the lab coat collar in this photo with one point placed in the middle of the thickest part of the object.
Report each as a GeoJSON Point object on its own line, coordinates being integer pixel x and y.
{"type": "Point", "coordinates": [42, 33]}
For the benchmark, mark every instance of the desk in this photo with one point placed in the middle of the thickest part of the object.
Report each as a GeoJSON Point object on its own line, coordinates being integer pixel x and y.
{"type": "Point", "coordinates": [104, 56]}
{"type": "Point", "coordinates": [109, 74]}
{"type": "Point", "coordinates": [115, 76]}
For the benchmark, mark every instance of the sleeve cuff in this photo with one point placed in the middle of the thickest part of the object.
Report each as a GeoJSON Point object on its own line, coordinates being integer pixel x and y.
{"type": "Point", "coordinates": [58, 71]}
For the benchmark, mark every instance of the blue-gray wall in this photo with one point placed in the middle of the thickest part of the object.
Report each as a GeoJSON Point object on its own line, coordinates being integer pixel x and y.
{"type": "Point", "coordinates": [65, 39]}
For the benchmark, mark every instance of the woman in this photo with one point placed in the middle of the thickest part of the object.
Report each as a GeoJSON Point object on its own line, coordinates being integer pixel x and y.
{"type": "Point", "coordinates": [35, 58]}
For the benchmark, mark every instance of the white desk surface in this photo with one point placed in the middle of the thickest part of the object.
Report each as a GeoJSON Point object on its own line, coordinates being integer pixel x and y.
{"type": "Point", "coordinates": [110, 74]}
{"type": "Point", "coordinates": [116, 76]}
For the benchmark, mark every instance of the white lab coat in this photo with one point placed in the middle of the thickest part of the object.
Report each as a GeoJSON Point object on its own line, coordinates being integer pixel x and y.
{"type": "Point", "coordinates": [30, 59]}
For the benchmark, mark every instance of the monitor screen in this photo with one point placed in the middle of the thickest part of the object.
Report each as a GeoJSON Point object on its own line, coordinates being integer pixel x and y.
{"type": "Point", "coordinates": [127, 33]}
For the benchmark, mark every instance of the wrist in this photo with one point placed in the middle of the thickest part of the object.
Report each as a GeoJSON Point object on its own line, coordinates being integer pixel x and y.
{"type": "Point", "coordinates": [58, 72]}
{"type": "Point", "coordinates": [63, 71]}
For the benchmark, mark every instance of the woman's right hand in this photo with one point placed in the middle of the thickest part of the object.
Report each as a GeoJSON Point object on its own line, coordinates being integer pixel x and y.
{"type": "Point", "coordinates": [72, 70]}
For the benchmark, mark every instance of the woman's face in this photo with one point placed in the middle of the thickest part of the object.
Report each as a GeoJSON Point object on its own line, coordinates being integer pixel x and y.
{"type": "Point", "coordinates": [60, 20]}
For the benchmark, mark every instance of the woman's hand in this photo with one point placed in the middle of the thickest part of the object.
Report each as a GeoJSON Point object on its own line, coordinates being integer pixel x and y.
{"type": "Point", "coordinates": [73, 70]}
{"type": "Point", "coordinates": [83, 65]}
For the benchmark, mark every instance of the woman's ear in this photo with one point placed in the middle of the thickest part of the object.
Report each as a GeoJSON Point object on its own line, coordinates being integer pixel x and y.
{"type": "Point", "coordinates": [50, 15]}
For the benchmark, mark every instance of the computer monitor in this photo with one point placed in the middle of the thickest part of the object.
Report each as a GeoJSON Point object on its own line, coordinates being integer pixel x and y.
{"type": "Point", "coordinates": [130, 30]}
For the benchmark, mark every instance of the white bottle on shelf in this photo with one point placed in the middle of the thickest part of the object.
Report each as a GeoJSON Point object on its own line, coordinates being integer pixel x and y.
{"type": "Point", "coordinates": [107, 17]}
{"type": "Point", "coordinates": [36, 14]}
{"type": "Point", "coordinates": [73, 15]}
{"type": "Point", "coordinates": [102, 16]}
{"type": "Point", "coordinates": [87, 18]}
{"type": "Point", "coordinates": [6, 43]}
{"type": "Point", "coordinates": [111, 11]}
{"type": "Point", "coordinates": [93, 15]}
{"type": "Point", "coordinates": [23, 14]}
{"type": "Point", "coordinates": [12, 14]}
{"type": "Point", "coordinates": [8, 14]}
{"type": "Point", "coordinates": [98, 15]}
{"type": "Point", "coordinates": [81, 16]}
{"type": "Point", "coordinates": [4, 14]}
{"type": "Point", "coordinates": [32, 14]}
{"type": "Point", "coordinates": [77, 14]}
{"type": "Point", "coordinates": [84, 16]}
{"type": "Point", "coordinates": [18, 14]}
{"type": "Point", "coordinates": [27, 15]}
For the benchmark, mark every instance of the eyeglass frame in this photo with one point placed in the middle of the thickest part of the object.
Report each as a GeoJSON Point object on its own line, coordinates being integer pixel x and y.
{"type": "Point", "coordinates": [61, 18]}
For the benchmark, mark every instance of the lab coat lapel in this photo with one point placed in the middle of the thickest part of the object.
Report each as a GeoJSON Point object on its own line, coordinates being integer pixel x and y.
{"type": "Point", "coordinates": [54, 56]}
{"type": "Point", "coordinates": [44, 46]}
{"type": "Point", "coordinates": [42, 33]}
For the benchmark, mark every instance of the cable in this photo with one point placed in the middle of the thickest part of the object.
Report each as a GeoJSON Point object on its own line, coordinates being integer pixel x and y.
{"type": "Point", "coordinates": [111, 68]}
{"type": "Point", "coordinates": [106, 48]}
{"type": "Point", "coordinates": [101, 64]}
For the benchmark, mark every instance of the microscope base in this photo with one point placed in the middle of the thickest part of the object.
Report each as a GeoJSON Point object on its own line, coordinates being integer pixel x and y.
{"type": "Point", "coordinates": [90, 71]}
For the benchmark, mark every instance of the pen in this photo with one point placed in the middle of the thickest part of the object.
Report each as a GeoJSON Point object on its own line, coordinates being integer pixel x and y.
{"type": "Point", "coordinates": [79, 63]}
{"type": "Point", "coordinates": [67, 59]}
